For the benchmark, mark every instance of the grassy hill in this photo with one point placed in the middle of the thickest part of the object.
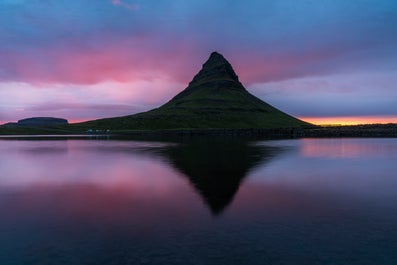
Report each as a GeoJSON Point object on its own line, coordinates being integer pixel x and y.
{"type": "Point", "coordinates": [215, 98]}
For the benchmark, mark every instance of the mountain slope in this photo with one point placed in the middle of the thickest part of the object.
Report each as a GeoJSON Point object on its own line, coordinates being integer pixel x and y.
{"type": "Point", "coordinates": [215, 98]}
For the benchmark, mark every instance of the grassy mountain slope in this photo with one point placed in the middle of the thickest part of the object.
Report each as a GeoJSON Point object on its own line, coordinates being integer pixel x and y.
{"type": "Point", "coordinates": [215, 98]}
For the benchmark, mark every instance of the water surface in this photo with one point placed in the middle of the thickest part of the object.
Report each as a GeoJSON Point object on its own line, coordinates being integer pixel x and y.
{"type": "Point", "coordinates": [198, 201]}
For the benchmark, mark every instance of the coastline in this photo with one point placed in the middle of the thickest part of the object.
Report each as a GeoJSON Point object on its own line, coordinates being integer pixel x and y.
{"type": "Point", "coordinates": [370, 130]}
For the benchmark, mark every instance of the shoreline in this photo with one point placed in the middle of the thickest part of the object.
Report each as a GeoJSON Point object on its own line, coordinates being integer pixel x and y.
{"type": "Point", "coordinates": [370, 130]}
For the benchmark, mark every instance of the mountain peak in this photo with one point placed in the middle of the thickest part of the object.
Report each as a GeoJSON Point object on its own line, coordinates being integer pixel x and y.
{"type": "Point", "coordinates": [215, 68]}
{"type": "Point", "coordinates": [216, 57]}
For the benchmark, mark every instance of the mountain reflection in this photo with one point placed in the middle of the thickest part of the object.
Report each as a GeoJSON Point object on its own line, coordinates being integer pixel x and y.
{"type": "Point", "coordinates": [216, 167]}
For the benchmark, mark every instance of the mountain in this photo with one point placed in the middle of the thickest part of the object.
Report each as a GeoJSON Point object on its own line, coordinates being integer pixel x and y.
{"type": "Point", "coordinates": [215, 98]}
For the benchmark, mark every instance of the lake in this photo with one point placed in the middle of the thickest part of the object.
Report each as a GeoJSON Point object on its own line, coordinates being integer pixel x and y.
{"type": "Point", "coordinates": [198, 201]}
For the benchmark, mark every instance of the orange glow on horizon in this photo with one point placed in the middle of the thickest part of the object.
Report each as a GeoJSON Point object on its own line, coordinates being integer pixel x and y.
{"type": "Point", "coordinates": [350, 120]}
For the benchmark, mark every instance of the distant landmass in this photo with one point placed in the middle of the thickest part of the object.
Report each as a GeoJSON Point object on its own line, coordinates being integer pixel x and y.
{"type": "Point", "coordinates": [42, 122]}
{"type": "Point", "coordinates": [215, 98]}
{"type": "Point", "coordinates": [36, 125]}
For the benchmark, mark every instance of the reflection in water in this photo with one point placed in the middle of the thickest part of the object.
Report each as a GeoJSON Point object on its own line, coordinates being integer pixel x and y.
{"type": "Point", "coordinates": [346, 148]}
{"type": "Point", "coordinates": [216, 167]}
{"type": "Point", "coordinates": [324, 201]}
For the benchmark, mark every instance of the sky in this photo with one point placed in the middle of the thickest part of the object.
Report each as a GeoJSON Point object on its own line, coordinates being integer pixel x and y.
{"type": "Point", "coordinates": [325, 61]}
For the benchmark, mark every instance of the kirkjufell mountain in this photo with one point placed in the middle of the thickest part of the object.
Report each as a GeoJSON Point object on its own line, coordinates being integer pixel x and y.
{"type": "Point", "coordinates": [215, 98]}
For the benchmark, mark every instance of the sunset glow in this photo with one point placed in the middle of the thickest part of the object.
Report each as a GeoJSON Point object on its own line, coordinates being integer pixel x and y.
{"type": "Point", "coordinates": [350, 120]}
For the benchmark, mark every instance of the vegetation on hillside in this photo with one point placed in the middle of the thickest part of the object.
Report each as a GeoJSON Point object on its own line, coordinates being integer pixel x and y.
{"type": "Point", "coordinates": [215, 98]}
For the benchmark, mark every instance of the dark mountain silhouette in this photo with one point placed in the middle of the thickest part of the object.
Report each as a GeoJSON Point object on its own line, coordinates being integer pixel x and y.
{"type": "Point", "coordinates": [215, 166]}
{"type": "Point", "coordinates": [215, 98]}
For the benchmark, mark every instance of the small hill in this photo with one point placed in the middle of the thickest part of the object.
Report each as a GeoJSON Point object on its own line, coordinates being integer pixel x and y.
{"type": "Point", "coordinates": [42, 122]}
{"type": "Point", "coordinates": [215, 98]}
{"type": "Point", "coordinates": [36, 125]}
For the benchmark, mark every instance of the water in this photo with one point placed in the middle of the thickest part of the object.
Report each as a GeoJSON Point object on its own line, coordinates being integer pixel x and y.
{"type": "Point", "coordinates": [198, 201]}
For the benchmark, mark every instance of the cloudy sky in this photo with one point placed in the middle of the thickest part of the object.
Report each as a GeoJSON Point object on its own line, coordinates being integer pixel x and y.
{"type": "Point", "coordinates": [322, 60]}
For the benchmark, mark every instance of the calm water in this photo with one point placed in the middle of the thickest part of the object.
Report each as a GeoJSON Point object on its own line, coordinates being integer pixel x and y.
{"type": "Point", "coordinates": [200, 201]}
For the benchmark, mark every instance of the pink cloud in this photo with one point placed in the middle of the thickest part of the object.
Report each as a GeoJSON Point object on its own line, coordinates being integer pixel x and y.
{"type": "Point", "coordinates": [276, 66]}
{"type": "Point", "coordinates": [144, 57]}
{"type": "Point", "coordinates": [125, 61]}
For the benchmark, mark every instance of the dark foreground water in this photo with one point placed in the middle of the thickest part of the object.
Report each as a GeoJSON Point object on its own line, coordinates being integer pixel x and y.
{"type": "Point", "coordinates": [200, 201]}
